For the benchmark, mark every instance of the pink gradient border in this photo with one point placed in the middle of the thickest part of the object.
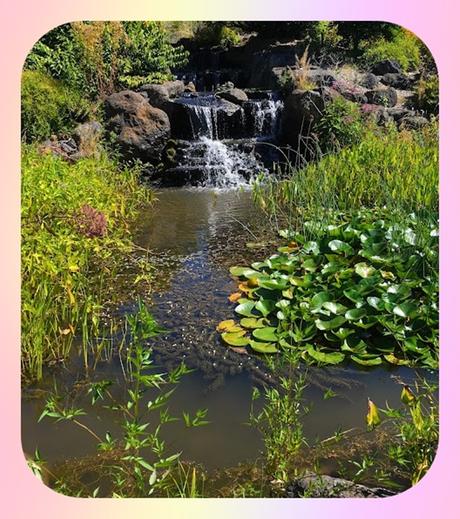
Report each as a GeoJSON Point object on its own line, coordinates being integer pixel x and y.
{"type": "Point", "coordinates": [23, 22]}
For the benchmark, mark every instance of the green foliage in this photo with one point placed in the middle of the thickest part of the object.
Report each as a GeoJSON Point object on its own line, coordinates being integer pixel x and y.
{"type": "Point", "coordinates": [427, 95]}
{"type": "Point", "coordinates": [65, 270]}
{"type": "Point", "coordinates": [396, 170]}
{"type": "Point", "coordinates": [279, 420]}
{"type": "Point", "coordinates": [414, 440]}
{"type": "Point", "coordinates": [99, 57]}
{"type": "Point", "coordinates": [341, 124]}
{"type": "Point", "coordinates": [140, 464]}
{"type": "Point", "coordinates": [366, 290]}
{"type": "Point", "coordinates": [48, 106]}
{"type": "Point", "coordinates": [217, 34]}
{"type": "Point", "coordinates": [404, 48]}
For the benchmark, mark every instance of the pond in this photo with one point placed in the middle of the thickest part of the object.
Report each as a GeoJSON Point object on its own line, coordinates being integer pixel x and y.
{"type": "Point", "coordinates": [194, 236]}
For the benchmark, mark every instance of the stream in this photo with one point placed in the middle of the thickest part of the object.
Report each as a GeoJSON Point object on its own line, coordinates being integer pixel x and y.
{"type": "Point", "coordinates": [195, 235]}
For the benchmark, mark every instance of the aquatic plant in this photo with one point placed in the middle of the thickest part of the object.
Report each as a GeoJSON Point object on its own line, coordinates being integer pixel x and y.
{"type": "Point", "coordinates": [366, 290]}
{"type": "Point", "coordinates": [139, 463]}
{"type": "Point", "coordinates": [279, 420]}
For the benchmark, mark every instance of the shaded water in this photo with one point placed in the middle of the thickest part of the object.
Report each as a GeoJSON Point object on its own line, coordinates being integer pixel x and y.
{"type": "Point", "coordinates": [194, 236]}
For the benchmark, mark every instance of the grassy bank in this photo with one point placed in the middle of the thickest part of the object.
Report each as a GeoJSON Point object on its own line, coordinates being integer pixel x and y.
{"type": "Point", "coordinates": [74, 232]}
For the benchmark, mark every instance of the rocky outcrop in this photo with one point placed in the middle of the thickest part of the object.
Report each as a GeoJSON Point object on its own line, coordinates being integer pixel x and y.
{"type": "Point", "coordinates": [386, 97]}
{"type": "Point", "coordinates": [141, 129]}
{"type": "Point", "coordinates": [395, 80]}
{"type": "Point", "coordinates": [386, 66]}
{"type": "Point", "coordinates": [313, 485]}
{"type": "Point", "coordinates": [413, 122]}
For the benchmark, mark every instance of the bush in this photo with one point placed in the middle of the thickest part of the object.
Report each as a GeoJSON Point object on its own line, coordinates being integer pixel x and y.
{"type": "Point", "coordinates": [48, 106]}
{"type": "Point", "coordinates": [73, 234]}
{"type": "Point", "coordinates": [427, 95]}
{"type": "Point", "coordinates": [216, 34]}
{"type": "Point", "coordinates": [99, 57]}
{"type": "Point", "coordinates": [404, 48]}
{"type": "Point", "coordinates": [341, 124]}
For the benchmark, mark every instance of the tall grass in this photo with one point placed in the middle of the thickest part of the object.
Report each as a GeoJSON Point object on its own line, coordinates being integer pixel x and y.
{"type": "Point", "coordinates": [388, 170]}
{"type": "Point", "coordinates": [67, 261]}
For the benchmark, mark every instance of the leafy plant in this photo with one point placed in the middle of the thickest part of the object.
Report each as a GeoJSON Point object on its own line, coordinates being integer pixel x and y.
{"type": "Point", "coordinates": [70, 251]}
{"type": "Point", "coordinates": [279, 420]}
{"type": "Point", "coordinates": [340, 125]}
{"type": "Point", "coordinates": [404, 48]}
{"type": "Point", "coordinates": [141, 464]}
{"type": "Point", "coordinates": [365, 290]}
{"type": "Point", "coordinates": [427, 95]}
{"type": "Point", "coordinates": [48, 106]}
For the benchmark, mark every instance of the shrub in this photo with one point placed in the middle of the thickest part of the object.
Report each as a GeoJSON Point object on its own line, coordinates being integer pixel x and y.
{"type": "Point", "coordinates": [99, 57]}
{"type": "Point", "coordinates": [404, 48]}
{"type": "Point", "coordinates": [427, 95]}
{"type": "Point", "coordinates": [340, 125]}
{"type": "Point", "coordinates": [48, 106]}
{"type": "Point", "coordinates": [217, 34]}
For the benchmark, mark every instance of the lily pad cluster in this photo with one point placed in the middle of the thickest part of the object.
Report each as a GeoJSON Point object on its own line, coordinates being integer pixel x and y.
{"type": "Point", "coordinates": [366, 291]}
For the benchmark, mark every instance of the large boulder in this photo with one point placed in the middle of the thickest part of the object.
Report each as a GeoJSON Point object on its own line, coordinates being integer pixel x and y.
{"type": "Point", "coordinates": [369, 80]}
{"type": "Point", "coordinates": [313, 485]}
{"type": "Point", "coordinates": [159, 94]}
{"type": "Point", "coordinates": [386, 66]}
{"type": "Point", "coordinates": [395, 80]}
{"type": "Point", "coordinates": [234, 95]}
{"type": "Point", "coordinates": [302, 108]}
{"type": "Point", "coordinates": [141, 129]}
{"type": "Point", "coordinates": [386, 97]}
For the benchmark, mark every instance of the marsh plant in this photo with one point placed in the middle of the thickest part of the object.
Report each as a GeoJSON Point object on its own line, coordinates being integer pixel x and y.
{"type": "Point", "coordinates": [279, 418]}
{"type": "Point", "coordinates": [138, 462]}
{"type": "Point", "coordinates": [415, 434]}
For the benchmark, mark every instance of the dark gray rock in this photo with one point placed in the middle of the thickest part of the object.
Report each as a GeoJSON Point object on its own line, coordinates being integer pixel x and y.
{"type": "Point", "coordinates": [386, 66]}
{"type": "Point", "coordinates": [313, 485]}
{"type": "Point", "coordinates": [157, 95]}
{"type": "Point", "coordinates": [395, 80]}
{"type": "Point", "coordinates": [141, 129]}
{"type": "Point", "coordinates": [369, 81]}
{"type": "Point", "coordinates": [413, 122]}
{"type": "Point", "coordinates": [386, 97]}
{"type": "Point", "coordinates": [397, 113]}
{"type": "Point", "coordinates": [234, 95]}
{"type": "Point", "coordinates": [302, 109]}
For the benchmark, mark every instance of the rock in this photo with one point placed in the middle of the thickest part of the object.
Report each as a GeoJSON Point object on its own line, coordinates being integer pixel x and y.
{"type": "Point", "coordinates": [377, 112]}
{"type": "Point", "coordinates": [321, 77]}
{"type": "Point", "coordinates": [301, 110]}
{"type": "Point", "coordinates": [66, 149]}
{"type": "Point", "coordinates": [190, 87]}
{"type": "Point", "coordinates": [369, 80]}
{"type": "Point", "coordinates": [397, 113]}
{"type": "Point", "coordinates": [386, 66]}
{"type": "Point", "coordinates": [386, 97]}
{"type": "Point", "coordinates": [234, 95]}
{"type": "Point", "coordinates": [174, 88]}
{"type": "Point", "coordinates": [142, 130]}
{"type": "Point", "coordinates": [395, 80]}
{"type": "Point", "coordinates": [87, 136]}
{"type": "Point", "coordinates": [313, 485]}
{"type": "Point", "coordinates": [413, 122]}
{"type": "Point", "coordinates": [158, 95]}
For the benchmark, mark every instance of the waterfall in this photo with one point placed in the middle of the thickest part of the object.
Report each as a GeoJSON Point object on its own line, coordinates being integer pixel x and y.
{"type": "Point", "coordinates": [227, 166]}
{"type": "Point", "coordinates": [203, 120]}
{"type": "Point", "coordinates": [222, 144]}
{"type": "Point", "coordinates": [266, 115]}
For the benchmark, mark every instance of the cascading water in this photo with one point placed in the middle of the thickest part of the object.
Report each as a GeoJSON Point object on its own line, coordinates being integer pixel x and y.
{"type": "Point", "coordinates": [225, 144]}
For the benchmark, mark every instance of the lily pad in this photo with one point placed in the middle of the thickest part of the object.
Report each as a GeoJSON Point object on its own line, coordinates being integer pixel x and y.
{"type": "Point", "coordinates": [245, 309]}
{"type": "Point", "coordinates": [228, 326]}
{"type": "Point", "coordinates": [236, 339]}
{"type": "Point", "coordinates": [267, 334]}
{"type": "Point", "coordinates": [253, 322]}
{"type": "Point", "coordinates": [263, 347]}
{"type": "Point", "coordinates": [325, 358]}
{"type": "Point", "coordinates": [330, 325]}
